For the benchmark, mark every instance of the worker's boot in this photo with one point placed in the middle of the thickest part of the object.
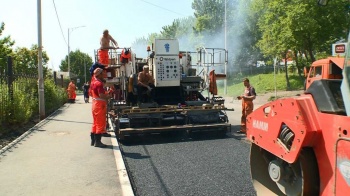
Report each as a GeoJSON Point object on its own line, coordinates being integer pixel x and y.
{"type": "Point", "coordinates": [92, 135]}
{"type": "Point", "coordinates": [98, 142]}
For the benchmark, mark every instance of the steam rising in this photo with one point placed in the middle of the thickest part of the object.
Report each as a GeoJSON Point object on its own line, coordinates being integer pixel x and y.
{"type": "Point", "coordinates": [238, 38]}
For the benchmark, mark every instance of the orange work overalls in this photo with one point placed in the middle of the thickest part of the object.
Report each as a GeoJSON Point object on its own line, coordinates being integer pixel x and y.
{"type": "Point", "coordinates": [213, 89]}
{"type": "Point", "coordinates": [99, 110]}
{"type": "Point", "coordinates": [103, 57]}
{"type": "Point", "coordinates": [71, 91]}
{"type": "Point", "coordinates": [247, 108]}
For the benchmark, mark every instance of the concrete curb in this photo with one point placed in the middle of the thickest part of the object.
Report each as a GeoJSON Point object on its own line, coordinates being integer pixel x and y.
{"type": "Point", "coordinates": [121, 169]}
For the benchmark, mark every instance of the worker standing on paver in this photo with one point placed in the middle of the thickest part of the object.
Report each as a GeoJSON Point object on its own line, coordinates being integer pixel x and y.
{"type": "Point", "coordinates": [99, 108]}
{"type": "Point", "coordinates": [104, 42]}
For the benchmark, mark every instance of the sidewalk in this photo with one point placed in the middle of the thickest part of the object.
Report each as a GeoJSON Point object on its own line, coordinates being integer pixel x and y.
{"type": "Point", "coordinates": [55, 158]}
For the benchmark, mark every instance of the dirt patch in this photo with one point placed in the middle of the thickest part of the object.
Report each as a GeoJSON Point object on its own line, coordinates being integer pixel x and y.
{"type": "Point", "coordinates": [14, 131]}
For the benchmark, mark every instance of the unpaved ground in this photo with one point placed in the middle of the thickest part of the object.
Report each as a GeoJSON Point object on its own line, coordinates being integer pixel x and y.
{"type": "Point", "coordinates": [15, 132]}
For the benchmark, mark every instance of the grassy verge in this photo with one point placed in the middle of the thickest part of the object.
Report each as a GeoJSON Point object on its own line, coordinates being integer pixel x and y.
{"type": "Point", "coordinates": [262, 83]}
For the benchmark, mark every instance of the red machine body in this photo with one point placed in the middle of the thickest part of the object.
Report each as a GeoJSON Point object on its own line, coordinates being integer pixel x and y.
{"type": "Point", "coordinates": [281, 130]}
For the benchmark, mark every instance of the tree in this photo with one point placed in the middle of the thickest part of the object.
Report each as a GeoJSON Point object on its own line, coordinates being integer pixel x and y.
{"type": "Point", "coordinates": [182, 29]}
{"type": "Point", "coordinates": [5, 48]}
{"type": "Point", "coordinates": [179, 28]}
{"type": "Point", "coordinates": [26, 61]}
{"type": "Point", "coordinates": [243, 36]}
{"type": "Point", "coordinates": [298, 25]}
{"type": "Point", "coordinates": [80, 64]}
{"type": "Point", "coordinates": [241, 31]}
{"type": "Point", "coordinates": [209, 15]}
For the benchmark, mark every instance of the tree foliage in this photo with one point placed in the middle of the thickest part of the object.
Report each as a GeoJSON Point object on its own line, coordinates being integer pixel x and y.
{"type": "Point", "coordinates": [5, 48]}
{"type": "Point", "coordinates": [260, 30]}
{"type": "Point", "coordinates": [26, 60]}
{"type": "Point", "coordinates": [179, 28]}
{"type": "Point", "coordinates": [80, 64]}
{"type": "Point", "coordinates": [210, 15]}
{"type": "Point", "coordinates": [300, 25]}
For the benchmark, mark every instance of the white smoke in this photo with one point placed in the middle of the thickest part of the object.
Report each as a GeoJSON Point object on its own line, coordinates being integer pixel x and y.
{"type": "Point", "coordinates": [236, 26]}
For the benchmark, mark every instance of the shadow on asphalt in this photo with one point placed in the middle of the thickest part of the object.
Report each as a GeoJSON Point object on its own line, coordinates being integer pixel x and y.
{"type": "Point", "coordinates": [234, 134]}
{"type": "Point", "coordinates": [59, 111]}
{"type": "Point", "coordinates": [69, 121]}
{"type": "Point", "coordinates": [171, 137]}
{"type": "Point", "coordinates": [135, 155]}
{"type": "Point", "coordinates": [181, 136]}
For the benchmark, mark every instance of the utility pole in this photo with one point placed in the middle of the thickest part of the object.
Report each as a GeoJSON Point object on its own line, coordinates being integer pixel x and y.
{"type": "Point", "coordinates": [69, 31]}
{"type": "Point", "coordinates": [68, 56]}
{"type": "Point", "coordinates": [40, 66]}
{"type": "Point", "coordinates": [225, 81]}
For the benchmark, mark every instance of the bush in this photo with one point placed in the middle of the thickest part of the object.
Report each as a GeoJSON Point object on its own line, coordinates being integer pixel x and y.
{"type": "Point", "coordinates": [55, 96]}
{"type": "Point", "coordinates": [24, 104]}
{"type": "Point", "coordinates": [18, 108]}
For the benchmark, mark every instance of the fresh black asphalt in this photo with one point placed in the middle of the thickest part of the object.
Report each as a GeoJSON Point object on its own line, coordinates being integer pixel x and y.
{"type": "Point", "coordinates": [178, 164]}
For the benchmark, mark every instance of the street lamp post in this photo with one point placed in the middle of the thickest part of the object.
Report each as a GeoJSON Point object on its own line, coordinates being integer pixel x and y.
{"type": "Point", "coordinates": [40, 66]}
{"type": "Point", "coordinates": [225, 81]}
{"type": "Point", "coordinates": [69, 31]}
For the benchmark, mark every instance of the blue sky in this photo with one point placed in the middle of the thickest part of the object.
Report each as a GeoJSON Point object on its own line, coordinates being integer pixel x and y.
{"type": "Point", "coordinates": [126, 20]}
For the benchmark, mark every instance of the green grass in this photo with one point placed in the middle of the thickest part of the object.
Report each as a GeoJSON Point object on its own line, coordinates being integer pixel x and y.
{"type": "Point", "coordinates": [263, 83]}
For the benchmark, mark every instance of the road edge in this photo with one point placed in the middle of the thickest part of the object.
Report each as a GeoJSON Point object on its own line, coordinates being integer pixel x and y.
{"type": "Point", "coordinates": [121, 169]}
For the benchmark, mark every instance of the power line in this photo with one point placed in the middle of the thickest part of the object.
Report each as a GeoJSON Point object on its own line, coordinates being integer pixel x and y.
{"type": "Point", "coordinates": [162, 8]}
{"type": "Point", "coordinates": [53, 1]}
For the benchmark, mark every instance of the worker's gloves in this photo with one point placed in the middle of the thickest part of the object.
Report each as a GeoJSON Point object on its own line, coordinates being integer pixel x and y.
{"type": "Point", "coordinates": [149, 88]}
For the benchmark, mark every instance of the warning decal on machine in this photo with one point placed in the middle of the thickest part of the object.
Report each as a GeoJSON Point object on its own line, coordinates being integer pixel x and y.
{"type": "Point", "coordinates": [344, 167]}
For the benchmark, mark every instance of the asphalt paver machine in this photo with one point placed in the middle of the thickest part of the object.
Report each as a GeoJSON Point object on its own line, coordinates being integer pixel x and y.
{"type": "Point", "coordinates": [182, 98]}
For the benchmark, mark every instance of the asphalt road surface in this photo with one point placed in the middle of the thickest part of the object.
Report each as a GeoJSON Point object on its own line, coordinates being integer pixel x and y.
{"type": "Point", "coordinates": [200, 164]}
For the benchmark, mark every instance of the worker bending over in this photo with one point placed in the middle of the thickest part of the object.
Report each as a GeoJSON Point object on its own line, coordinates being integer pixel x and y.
{"type": "Point", "coordinates": [145, 85]}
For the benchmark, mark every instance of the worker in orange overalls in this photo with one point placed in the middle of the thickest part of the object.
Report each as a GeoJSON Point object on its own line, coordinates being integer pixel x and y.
{"type": "Point", "coordinates": [103, 51]}
{"type": "Point", "coordinates": [213, 89]}
{"type": "Point", "coordinates": [99, 108]}
{"type": "Point", "coordinates": [71, 91]}
{"type": "Point", "coordinates": [247, 103]}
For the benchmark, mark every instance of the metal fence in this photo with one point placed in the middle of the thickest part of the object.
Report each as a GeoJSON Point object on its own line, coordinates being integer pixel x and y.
{"type": "Point", "coordinates": [15, 94]}
{"type": "Point", "coordinates": [19, 97]}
